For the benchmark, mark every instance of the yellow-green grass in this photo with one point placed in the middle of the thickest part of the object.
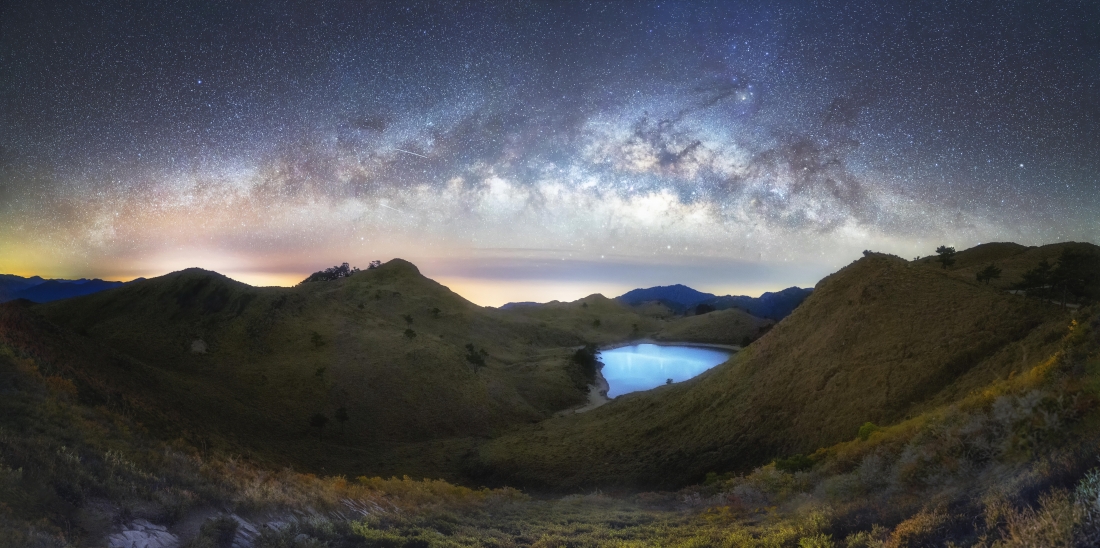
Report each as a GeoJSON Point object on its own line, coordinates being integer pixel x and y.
{"type": "Point", "coordinates": [879, 341]}
{"type": "Point", "coordinates": [1003, 466]}
{"type": "Point", "coordinates": [387, 344]}
{"type": "Point", "coordinates": [1013, 260]}
{"type": "Point", "coordinates": [1001, 460]}
{"type": "Point", "coordinates": [731, 326]}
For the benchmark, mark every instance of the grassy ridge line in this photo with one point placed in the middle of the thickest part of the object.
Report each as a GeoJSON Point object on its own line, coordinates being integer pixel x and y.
{"type": "Point", "coordinates": [878, 341]}
{"type": "Point", "coordinates": [1013, 259]}
{"type": "Point", "coordinates": [386, 344]}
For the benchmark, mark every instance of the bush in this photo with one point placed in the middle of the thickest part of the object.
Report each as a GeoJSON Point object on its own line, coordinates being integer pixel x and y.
{"type": "Point", "coordinates": [216, 533]}
{"type": "Point", "coordinates": [795, 463]}
{"type": "Point", "coordinates": [867, 429]}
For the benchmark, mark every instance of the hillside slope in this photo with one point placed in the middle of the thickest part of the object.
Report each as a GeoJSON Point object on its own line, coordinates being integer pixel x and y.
{"type": "Point", "coordinates": [387, 345]}
{"type": "Point", "coordinates": [877, 341]}
{"type": "Point", "coordinates": [1013, 260]}
{"type": "Point", "coordinates": [731, 326]}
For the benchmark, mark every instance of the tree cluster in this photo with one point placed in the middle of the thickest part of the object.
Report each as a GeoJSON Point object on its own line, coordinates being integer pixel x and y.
{"type": "Point", "coordinates": [988, 273]}
{"type": "Point", "coordinates": [1076, 275]}
{"type": "Point", "coordinates": [587, 361]}
{"type": "Point", "coordinates": [333, 273]}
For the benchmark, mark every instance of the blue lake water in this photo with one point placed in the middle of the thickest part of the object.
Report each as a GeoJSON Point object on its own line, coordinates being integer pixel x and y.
{"type": "Point", "coordinates": [644, 366]}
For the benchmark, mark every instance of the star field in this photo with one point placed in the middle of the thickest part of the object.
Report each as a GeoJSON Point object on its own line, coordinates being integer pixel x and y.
{"type": "Point", "coordinates": [536, 150]}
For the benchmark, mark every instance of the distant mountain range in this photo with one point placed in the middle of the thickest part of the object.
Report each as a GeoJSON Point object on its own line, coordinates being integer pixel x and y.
{"type": "Point", "coordinates": [40, 290]}
{"type": "Point", "coordinates": [681, 298]}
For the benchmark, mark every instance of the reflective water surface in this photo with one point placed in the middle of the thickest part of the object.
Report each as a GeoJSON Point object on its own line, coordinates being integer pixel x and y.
{"type": "Point", "coordinates": [644, 366]}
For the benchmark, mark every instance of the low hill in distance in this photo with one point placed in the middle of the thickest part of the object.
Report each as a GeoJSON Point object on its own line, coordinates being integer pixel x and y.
{"type": "Point", "coordinates": [731, 326]}
{"type": "Point", "coordinates": [39, 290]}
{"type": "Point", "coordinates": [881, 340]}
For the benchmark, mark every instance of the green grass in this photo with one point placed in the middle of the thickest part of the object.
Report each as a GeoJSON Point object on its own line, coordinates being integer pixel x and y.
{"type": "Point", "coordinates": [258, 383]}
{"type": "Point", "coordinates": [730, 326]}
{"type": "Point", "coordinates": [990, 439]}
{"type": "Point", "coordinates": [878, 341]}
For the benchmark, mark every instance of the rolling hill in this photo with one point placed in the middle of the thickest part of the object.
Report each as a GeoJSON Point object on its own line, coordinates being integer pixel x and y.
{"type": "Point", "coordinates": [732, 326]}
{"type": "Point", "coordinates": [880, 341]}
{"type": "Point", "coordinates": [387, 345]}
{"type": "Point", "coordinates": [138, 414]}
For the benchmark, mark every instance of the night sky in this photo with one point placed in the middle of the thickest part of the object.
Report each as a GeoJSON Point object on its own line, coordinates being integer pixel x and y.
{"type": "Point", "coordinates": [540, 150]}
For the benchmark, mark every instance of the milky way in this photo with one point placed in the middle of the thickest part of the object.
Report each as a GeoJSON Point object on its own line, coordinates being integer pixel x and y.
{"type": "Point", "coordinates": [541, 149]}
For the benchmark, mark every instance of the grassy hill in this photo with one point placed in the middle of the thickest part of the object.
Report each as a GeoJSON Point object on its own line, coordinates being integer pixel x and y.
{"type": "Point", "coordinates": [881, 340]}
{"type": "Point", "coordinates": [730, 326]}
{"type": "Point", "coordinates": [1013, 259]}
{"type": "Point", "coordinates": [1010, 465]}
{"type": "Point", "coordinates": [987, 408]}
{"type": "Point", "coordinates": [387, 345]}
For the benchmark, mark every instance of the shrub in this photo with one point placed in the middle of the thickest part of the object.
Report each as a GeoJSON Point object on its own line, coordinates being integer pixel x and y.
{"type": "Point", "coordinates": [795, 463]}
{"type": "Point", "coordinates": [216, 533]}
{"type": "Point", "coordinates": [474, 357]}
{"type": "Point", "coordinates": [867, 429]}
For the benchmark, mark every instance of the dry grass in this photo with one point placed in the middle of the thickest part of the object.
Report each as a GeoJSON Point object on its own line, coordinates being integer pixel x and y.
{"type": "Point", "coordinates": [730, 326]}
{"type": "Point", "coordinates": [878, 341]}
{"type": "Point", "coordinates": [277, 356]}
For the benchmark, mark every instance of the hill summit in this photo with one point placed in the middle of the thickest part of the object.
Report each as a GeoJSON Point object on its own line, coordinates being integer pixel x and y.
{"type": "Point", "coordinates": [878, 341]}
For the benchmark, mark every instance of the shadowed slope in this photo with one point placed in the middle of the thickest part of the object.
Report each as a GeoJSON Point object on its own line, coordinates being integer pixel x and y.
{"type": "Point", "coordinates": [386, 344]}
{"type": "Point", "coordinates": [876, 341]}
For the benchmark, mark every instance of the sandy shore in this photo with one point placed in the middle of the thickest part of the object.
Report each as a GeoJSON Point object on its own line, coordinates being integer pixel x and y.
{"type": "Point", "coordinates": [597, 393]}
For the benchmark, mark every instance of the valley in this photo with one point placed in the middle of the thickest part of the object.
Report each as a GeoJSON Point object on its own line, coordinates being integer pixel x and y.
{"type": "Point", "coordinates": [897, 402]}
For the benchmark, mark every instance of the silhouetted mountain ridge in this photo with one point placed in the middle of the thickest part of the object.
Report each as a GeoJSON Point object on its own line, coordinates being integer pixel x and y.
{"type": "Point", "coordinates": [681, 298]}
{"type": "Point", "coordinates": [40, 290]}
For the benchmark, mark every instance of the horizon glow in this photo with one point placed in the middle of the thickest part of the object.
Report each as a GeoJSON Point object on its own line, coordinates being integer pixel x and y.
{"type": "Point", "coordinates": [540, 151]}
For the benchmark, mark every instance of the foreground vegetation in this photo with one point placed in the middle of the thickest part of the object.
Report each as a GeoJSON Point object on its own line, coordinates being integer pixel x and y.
{"type": "Point", "coordinates": [876, 415]}
{"type": "Point", "coordinates": [1009, 465]}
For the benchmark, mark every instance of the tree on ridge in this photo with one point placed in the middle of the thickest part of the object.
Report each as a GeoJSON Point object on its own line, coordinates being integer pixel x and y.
{"type": "Point", "coordinates": [947, 256]}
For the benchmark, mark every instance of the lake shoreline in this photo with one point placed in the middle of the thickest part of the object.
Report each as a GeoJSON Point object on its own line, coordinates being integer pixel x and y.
{"type": "Point", "coordinates": [597, 392]}
{"type": "Point", "coordinates": [730, 347]}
